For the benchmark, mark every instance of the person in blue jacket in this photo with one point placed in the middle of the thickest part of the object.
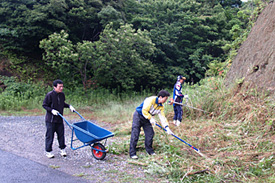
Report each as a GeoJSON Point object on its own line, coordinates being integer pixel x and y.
{"type": "Point", "coordinates": [54, 103]}
{"type": "Point", "coordinates": [178, 97]}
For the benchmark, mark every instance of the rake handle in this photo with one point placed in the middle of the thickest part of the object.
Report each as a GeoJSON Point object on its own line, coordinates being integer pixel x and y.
{"type": "Point", "coordinates": [180, 139]}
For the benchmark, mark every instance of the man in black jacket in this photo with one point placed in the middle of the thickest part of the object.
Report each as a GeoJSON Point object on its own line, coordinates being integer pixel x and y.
{"type": "Point", "coordinates": [54, 103]}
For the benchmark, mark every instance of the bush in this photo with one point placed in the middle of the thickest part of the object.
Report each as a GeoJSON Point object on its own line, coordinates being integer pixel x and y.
{"type": "Point", "coordinates": [18, 95]}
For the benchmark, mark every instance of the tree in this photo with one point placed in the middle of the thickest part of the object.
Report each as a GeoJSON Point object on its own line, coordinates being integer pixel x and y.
{"type": "Point", "coordinates": [109, 14]}
{"type": "Point", "coordinates": [70, 61]}
{"type": "Point", "coordinates": [188, 34]}
{"type": "Point", "coordinates": [120, 59]}
{"type": "Point", "coordinates": [26, 22]}
{"type": "Point", "coordinates": [124, 59]}
{"type": "Point", "coordinates": [82, 19]}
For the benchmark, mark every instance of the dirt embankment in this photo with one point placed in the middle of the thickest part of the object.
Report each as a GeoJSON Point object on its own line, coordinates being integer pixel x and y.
{"type": "Point", "coordinates": [255, 61]}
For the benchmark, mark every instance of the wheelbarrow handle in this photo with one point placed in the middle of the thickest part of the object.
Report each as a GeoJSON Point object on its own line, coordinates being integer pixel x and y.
{"type": "Point", "coordinates": [69, 124]}
{"type": "Point", "coordinates": [79, 115]}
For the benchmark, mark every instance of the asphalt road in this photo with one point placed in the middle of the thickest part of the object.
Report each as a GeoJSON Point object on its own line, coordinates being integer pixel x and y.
{"type": "Point", "coordinates": [16, 169]}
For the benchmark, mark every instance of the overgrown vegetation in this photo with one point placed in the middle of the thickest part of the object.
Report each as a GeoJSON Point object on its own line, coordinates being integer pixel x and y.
{"type": "Point", "coordinates": [236, 136]}
{"type": "Point", "coordinates": [236, 133]}
{"type": "Point", "coordinates": [146, 43]}
{"type": "Point", "coordinates": [18, 96]}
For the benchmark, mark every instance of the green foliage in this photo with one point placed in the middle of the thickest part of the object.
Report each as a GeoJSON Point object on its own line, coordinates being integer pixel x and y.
{"type": "Point", "coordinates": [168, 38]}
{"type": "Point", "coordinates": [119, 147]}
{"type": "Point", "coordinates": [217, 68]}
{"type": "Point", "coordinates": [18, 95]}
{"type": "Point", "coordinates": [242, 25]}
{"type": "Point", "coordinates": [69, 60]}
{"type": "Point", "coordinates": [120, 59]}
{"type": "Point", "coordinates": [24, 68]}
{"type": "Point", "coordinates": [30, 95]}
{"type": "Point", "coordinates": [188, 35]}
{"type": "Point", "coordinates": [265, 166]}
{"type": "Point", "coordinates": [24, 23]}
{"type": "Point", "coordinates": [123, 55]}
{"type": "Point", "coordinates": [233, 133]}
{"type": "Point", "coordinates": [238, 148]}
{"type": "Point", "coordinates": [27, 22]}
{"type": "Point", "coordinates": [108, 14]}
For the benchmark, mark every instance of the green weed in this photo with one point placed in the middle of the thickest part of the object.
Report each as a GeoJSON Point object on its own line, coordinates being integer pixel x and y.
{"type": "Point", "coordinates": [80, 174]}
{"type": "Point", "coordinates": [54, 166]}
{"type": "Point", "coordinates": [236, 133]}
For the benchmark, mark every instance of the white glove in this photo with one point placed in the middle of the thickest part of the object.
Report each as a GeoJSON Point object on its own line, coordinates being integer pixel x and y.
{"type": "Point", "coordinates": [72, 108]}
{"type": "Point", "coordinates": [153, 121]}
{"type": "Point", "coordinates": [169, 132]}
{"type": "Point", "coordinates": [186, 96]}
{"type": "Point", "coordinates": [55, 112]}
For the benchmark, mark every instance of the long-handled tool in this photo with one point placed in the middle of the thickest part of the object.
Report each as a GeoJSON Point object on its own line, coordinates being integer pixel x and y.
{"type": "Point", "coordinates": [172, 102]}
{"type": "Point", "coordinates": [196, 150]}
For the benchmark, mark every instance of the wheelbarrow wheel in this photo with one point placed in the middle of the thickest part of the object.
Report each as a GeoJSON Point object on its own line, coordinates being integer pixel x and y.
{"type": "Point", "coordinates": [97, 151]}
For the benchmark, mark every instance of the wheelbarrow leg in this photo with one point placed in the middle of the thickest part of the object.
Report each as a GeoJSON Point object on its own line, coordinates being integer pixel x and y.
{"type": "Point", "coordinates": [72, 140]}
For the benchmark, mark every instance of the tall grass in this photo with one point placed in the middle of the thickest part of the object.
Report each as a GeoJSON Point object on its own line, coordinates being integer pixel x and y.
{"type": "Point", "coordinates": [19, 96]}
{"type": "Point", "coordinates": [236, 133]}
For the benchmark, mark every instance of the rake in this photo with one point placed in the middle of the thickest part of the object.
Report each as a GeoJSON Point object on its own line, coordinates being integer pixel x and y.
{"type": "Point", "coordinates": [195, 149]}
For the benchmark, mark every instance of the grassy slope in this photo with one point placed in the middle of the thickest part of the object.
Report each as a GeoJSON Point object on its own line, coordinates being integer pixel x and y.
{"type": "Point", "coordinates": [236, 135]}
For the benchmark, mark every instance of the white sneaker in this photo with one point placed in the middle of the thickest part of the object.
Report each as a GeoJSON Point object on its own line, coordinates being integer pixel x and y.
{"type": "Point", "coordinates": [134, 157]}
{"type": "Point", "coordinates": [63, 152]}
{"type": "Point", "coordinates": [175, 122]}
{"type": "Point", "coordinates": [178, 123]}
{"type": "Point", "coordinates": [49, 155]}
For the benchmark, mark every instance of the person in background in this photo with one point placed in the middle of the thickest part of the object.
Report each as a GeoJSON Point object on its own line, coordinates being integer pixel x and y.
{"type": "Point", "coordinates": [143, 117]}
{"type": "Point", "coordinates": [54, 103]}
{"type": "Point", "coordinates": [177, 97]}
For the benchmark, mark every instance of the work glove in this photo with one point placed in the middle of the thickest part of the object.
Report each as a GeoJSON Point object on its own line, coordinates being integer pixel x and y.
{"type": "Point", "coordinates": [186, 96]}
{"type": "Point", "coordinates": [72, 108]}
{"type": "Point", "coordinates": [171, 101]}
{"type": "Point", "coordinates": [169, 132]}
{"type": "Point", "coordinates": [153, 121]}
{"type": "Point", "coordinates": [55, 112]}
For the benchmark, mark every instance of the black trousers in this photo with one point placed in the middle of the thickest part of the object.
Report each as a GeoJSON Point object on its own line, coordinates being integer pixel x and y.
{"type": "Point", "coordinates": [51, 129]}
{"type": "Point", "coordinates": [138, 122]}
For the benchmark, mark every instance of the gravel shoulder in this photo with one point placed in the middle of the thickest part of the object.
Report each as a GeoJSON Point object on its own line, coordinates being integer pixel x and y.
{"type": "Point", "coordinates": [25, 136]}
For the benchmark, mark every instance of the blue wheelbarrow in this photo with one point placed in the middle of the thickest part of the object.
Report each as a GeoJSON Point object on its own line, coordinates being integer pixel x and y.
{"type": "Point", "coordinates": [89, 134]}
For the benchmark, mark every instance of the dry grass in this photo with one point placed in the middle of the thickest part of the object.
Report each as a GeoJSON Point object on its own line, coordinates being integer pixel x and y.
{"type": "Point", "coordinates": [237, 136]}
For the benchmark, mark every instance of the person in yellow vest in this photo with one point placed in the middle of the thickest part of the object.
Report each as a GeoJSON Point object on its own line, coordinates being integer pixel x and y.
{"type": "Point", "coordinates": [143, 117]}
